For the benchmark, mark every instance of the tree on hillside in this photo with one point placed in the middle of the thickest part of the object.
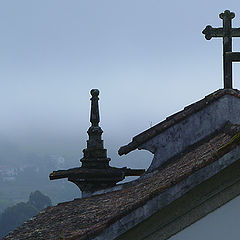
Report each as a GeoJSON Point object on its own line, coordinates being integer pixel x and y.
{"type": "Point", "coordinates": [16, 215]}
{"type": "Point", "coordinates": [39, 201]}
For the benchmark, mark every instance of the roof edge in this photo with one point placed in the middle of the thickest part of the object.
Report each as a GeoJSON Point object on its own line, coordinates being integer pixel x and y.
{"type": "Point", "coordinates": [175, 118]}
{"type": "Point", "coordinates": [198, 172]}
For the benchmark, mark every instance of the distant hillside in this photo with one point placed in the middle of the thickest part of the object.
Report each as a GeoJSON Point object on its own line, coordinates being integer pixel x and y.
{"type": "Point", "coordinates": [14, 216]}
{"type": "Point", "coordinates": [21, 173]}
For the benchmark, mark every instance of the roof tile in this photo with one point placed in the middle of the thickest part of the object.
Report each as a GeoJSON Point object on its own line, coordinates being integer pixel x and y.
{"type": "Point", "coordinates": [88, 217]}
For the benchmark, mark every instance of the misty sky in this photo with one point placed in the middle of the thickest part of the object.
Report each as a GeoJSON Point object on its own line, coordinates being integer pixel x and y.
{"type": "Point", "coordinates": [148, 58]}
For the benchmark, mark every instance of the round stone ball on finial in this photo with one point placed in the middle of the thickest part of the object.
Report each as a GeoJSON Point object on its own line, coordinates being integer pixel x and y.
{"type": "Point", "coordinates": [94, 92]}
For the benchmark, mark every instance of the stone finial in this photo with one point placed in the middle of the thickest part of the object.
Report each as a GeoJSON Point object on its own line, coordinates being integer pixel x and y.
{"type": "Point", "coordinates": [95, 156]}
{"type": "Point", "coordinates": [95, 173]}
{"type": "Point", "coordinates": [94, 116]}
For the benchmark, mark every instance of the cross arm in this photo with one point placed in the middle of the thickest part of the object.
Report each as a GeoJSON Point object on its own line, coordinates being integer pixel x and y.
{"type": "Point", "coordinates": [233, 56]}
{"type": "Point", "coordinates": [235, 32]}
{"type": "Point", "coordinates": [210, 32]}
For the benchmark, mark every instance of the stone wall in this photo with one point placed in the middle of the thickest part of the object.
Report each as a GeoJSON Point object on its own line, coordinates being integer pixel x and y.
{"type": "Point", "coordinates": [192, 129]}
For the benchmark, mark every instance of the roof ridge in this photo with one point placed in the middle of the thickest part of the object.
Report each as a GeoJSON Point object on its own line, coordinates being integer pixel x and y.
{"type": "Point", "coordinates": [175, 118]}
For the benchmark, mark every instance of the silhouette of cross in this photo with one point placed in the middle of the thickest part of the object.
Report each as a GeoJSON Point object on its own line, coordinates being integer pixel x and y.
{"type": "Point", "coordinates": [226, 32]}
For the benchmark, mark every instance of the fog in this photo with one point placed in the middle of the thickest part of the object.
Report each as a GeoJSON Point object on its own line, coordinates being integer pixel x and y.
{"type": "Point", "coordinates": [149, 60]}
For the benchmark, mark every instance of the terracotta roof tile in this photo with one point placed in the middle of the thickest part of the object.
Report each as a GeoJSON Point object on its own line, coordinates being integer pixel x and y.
{"type": "Point", "coordinates": [86, 218]}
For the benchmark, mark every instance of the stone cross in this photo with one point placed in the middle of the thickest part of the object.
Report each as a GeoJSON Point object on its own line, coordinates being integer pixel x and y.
{"type": "Point", "coordinates": [226, 32]}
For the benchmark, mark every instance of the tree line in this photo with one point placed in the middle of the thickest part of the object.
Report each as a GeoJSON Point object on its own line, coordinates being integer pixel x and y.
{"type": "Point", "coordinates": [14, 216]}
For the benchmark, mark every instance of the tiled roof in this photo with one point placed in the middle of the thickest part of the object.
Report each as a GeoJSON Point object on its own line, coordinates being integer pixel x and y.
{"type": "Point", "coordinates": [175, 118]}
{"type": "Point", "coordinates": [85, 218]}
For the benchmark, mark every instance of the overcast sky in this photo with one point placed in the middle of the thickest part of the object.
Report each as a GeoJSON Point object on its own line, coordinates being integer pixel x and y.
{"type": "Point", "coordinates": [148, 58]}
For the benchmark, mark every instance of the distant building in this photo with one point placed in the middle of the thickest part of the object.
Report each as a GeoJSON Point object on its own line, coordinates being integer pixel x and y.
{"type": "Point", "coordinates": [8, 174]}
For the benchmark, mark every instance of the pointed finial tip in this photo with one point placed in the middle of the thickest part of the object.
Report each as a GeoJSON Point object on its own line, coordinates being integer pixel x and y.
{"type": "Point", "coordinates": [94, 92]}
